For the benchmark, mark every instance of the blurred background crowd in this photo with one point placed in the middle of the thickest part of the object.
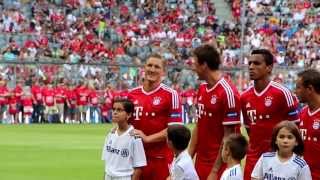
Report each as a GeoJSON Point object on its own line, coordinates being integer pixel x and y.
{"type": "Point", "coordinates": [103, 43]}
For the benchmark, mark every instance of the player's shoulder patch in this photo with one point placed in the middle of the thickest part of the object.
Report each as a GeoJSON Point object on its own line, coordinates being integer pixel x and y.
{"type": "Point", "coordinates": [299, 161]}
{"type": "Point", "coordinates": [269, 154]}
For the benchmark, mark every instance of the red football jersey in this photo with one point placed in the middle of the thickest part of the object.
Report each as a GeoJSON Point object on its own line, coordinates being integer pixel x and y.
{"type": "Point", "coordinates": [12, 101]}
{"type": "Point", "coordinates": [60, 94]}
{"type": "Point", "coordinates": [3, 92]}
{"type": "Point", "coordinates": [36, 92]}
{"type": "Point", "coordinates": [27, 105]}
{"type": "Point", "coordinates": [261, 112]}
{"type": "Point", "coordinates": [48, 96]}
{"type": "Point", "coordinates": [71, 97]}
{"type": "Point", "coordinates": [82, 94]}
{"type": "Point", "coordinates": [153, 112]}
{"type": "Point", "coordinates": [93, 96]}
{"type": "Point", "coordinates": [310, 131]}
{"type": "Point", "coordinates": [217, 107]}
{"type": "Point", "coordinates": [17, 91]}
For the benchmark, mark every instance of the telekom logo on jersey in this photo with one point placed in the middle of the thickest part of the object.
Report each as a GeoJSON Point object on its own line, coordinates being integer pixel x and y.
{"type": "Point", "coordinates": [138, 112]}
{"type": "Point", "coordinates": [200, 110]}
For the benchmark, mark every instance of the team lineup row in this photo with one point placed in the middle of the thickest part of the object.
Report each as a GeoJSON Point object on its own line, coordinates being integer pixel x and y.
{"type": "Point", "coordinates": [219, 107]}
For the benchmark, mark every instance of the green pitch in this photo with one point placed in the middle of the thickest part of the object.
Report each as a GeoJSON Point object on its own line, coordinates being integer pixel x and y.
{"type": "Point", "coordinates": [52, 152]}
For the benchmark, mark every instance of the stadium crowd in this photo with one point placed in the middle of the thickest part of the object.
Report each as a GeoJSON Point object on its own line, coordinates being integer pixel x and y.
{"type": "Point", "coordinates": [126, 32]}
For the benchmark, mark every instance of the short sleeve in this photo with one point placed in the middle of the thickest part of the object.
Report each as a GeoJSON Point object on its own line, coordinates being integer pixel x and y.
{"type": "Point", "coordinates": [293, 110]}
{"type": "Point", "coordinates": [257, 170]}
{"type": "Point", "coordinates": [104, 148]}
{"type": "Point", "coordinates": [138, 154]}
{"type": "Point", "coordinates": [175, 108]}
{"type": "Point", "coordinates": [177, 173]}
{"type": "Point", "coordinates": [305, 173]}
{"type": "Point", "coordinates": [232, 108]}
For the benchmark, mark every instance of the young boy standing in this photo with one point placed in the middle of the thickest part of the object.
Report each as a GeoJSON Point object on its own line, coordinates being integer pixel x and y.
{"type": "Point", "coordinates": [233, 151]}
{"type": "Point", "coordinates": [123, 153]}
{"type": "Point", "coordinates": [182, 165]}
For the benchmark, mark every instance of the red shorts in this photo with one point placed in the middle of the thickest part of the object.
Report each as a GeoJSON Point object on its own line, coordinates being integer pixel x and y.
{"type": "Point", "coordinates": [204, 168]}
{"type": "Point", "coordinates": [156, 169]}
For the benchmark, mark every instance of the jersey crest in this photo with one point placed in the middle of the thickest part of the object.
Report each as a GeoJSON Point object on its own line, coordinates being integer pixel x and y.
{"type": "Point", "coordinates": [316, 124]}
{"type": "Point", "coordinates": [213, 99]}
{"type": "Point", "coordinates": [268, 101]}
{"type": "Point", "coordinates": [156, 101]}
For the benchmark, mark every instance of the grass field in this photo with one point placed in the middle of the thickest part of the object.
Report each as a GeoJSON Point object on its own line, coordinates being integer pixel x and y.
{"type": "Point", "coordinates": [52, 152]}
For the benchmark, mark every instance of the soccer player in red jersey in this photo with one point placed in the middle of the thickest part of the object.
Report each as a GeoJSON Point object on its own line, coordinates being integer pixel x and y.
{"type": "Point", "coordinates": [156, 106]}
{"type": "Point", "coordinates": [264, 105]}
{"type": "Point", "coordinates": [308, 91]}
{"type": "Point", "coordinates": [218, 111]}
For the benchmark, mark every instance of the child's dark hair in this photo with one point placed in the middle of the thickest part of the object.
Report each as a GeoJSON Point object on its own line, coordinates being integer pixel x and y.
{"type": "Point", "coordinates": [179, 135]}
{"type": "Point", "coordinates": [237, 145]}
{"type": "Point", "coordinates": [293, 128]}
{"type": "Point", "coordinates": [126, 103]}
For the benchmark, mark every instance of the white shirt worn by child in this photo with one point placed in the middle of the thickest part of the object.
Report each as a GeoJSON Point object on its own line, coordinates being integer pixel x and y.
{"type": "Point", "coordinates": [233, 173]}
{"type": "Point", "coordinates": [270, 167]}
{"type": "Point", "coordinates": [122, 153]}
{"type": "Point", "coordinates": [182, 168]}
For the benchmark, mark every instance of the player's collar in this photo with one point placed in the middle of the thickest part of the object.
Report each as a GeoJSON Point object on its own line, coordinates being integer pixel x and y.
{"type": "Point", "coordinates": [151, 92]}
{"type": "Point", "coordinates": [314, 112]}
{"type": "Point", "coordinates": [263, 91]}
{"type": "Point", "coordinates": [217, 83]}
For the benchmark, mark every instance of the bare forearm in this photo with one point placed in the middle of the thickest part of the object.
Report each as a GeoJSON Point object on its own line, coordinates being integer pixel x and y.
{"type": "Point", "coordinates": [157, 137]}
{"type": "Point", "coordinates": [193, 142]}
{"type": "Point", "coordinates": [136, 174]}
